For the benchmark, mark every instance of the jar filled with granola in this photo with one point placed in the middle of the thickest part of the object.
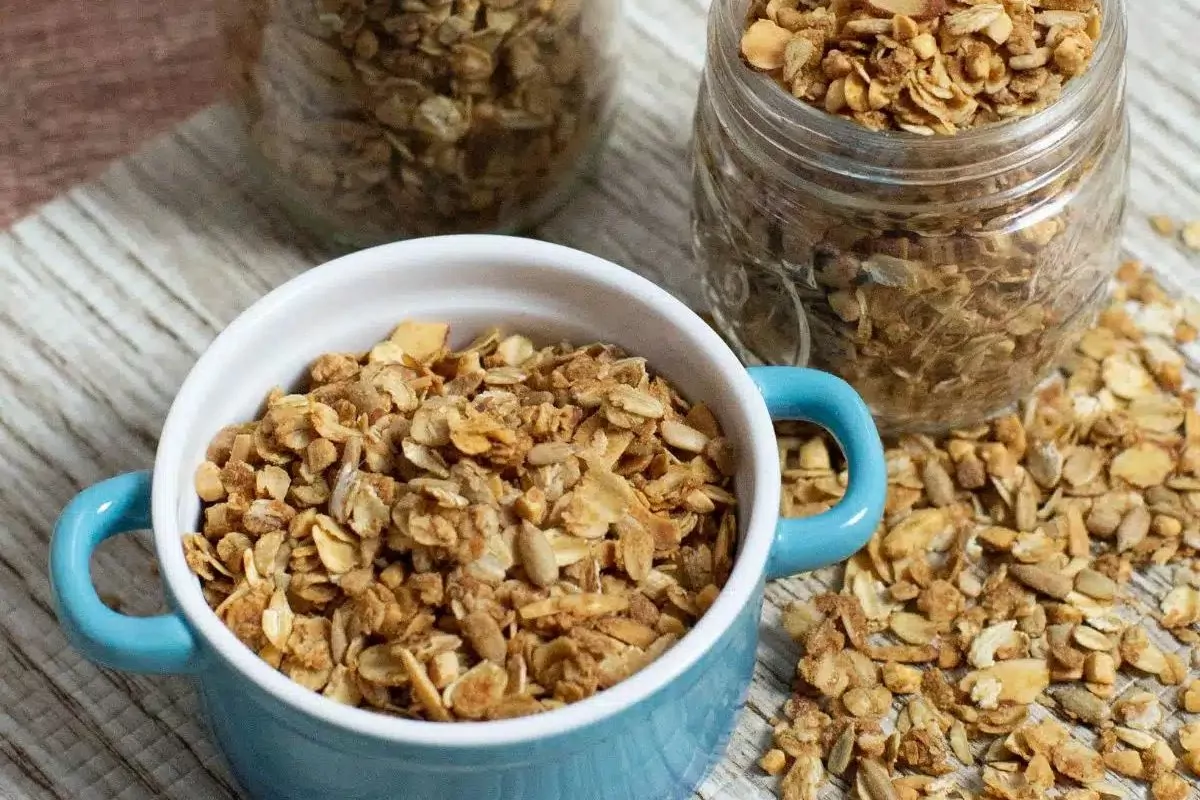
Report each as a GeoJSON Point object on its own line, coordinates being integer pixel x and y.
{"type": "Point", "coordinates": [381, 119]}
{"type": "Point", "coordinates": [929, 194]}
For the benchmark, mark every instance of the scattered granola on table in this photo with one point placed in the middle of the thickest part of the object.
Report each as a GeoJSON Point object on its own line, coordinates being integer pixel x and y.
{"type": "Point", "coordinates": [986, 643]}
{"type": "Point", "coordinates": [923, 66]}
{"type": "Point", "coordinates": [419, 118]}
{"type": "Point", "coordinates": [464, 535]}
{"type": "Point", "coordinates": [1163, 225]}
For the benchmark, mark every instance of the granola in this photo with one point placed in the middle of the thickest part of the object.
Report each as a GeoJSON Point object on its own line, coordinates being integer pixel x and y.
{"type": "Point", "coordinates": [992, 604]}
{"type": "Point", "coordinates": [469, 534]}
{"type": "Point", "coordinates": [923, 66]}
{"type": "Point", "coordinates": [943, 277]}
{"type": "Point", "coordinates": [424, 117]}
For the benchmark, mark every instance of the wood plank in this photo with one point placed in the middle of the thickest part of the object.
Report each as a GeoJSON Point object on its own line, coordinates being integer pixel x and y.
{"type": "Point", "coordinates": [111, 291]}
{"type": "Point", "coordinates": [89, 82]}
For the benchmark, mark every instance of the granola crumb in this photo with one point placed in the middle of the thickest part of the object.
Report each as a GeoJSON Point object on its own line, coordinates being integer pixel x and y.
{"type": "Point", "coordinates": [1016, 581]}
{"type": "Point", "coordinates": [1163, 225]}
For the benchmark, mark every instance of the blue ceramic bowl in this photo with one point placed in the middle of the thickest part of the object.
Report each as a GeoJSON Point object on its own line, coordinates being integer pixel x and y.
{"type": "Point", "coordinates": [651, 737]}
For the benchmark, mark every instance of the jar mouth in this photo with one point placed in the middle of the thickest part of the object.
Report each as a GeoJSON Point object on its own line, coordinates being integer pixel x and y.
{"type": "Point", "coordinates": [905, 158]}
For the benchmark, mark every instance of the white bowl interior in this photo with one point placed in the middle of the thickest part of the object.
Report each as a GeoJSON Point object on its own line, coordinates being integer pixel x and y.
{"type": "Point", "coordinates": [547, 292]}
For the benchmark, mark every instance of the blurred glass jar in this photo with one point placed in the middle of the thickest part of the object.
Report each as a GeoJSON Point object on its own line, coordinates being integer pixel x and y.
{"type": "Point", "coordinates": [944, 277]}
{"type": "Point", "coordinates": [381, 119]}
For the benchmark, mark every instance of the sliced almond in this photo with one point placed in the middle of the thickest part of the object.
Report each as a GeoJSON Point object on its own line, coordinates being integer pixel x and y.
{"type": "Point", "coordinates": [974, 18]}
{"type": "Point", "coordinates": [913, 628]}
{"type": "Point", "coordinates": [585, 605]}
{"type": "Point", "coordinates": [421, 340]}
{"type": "Point", "coordinates": [764, 43]}
{"type": "Point", "coordinates": [337, 547]}
{"type": "Point", "coordinates": [917, 9]}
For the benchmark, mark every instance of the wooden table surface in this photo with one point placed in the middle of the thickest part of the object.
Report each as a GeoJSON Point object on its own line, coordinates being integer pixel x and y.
{"type": "Point", "coordinates": [88, 82]}
{"type": "Point", "coordinates": [111, 291]}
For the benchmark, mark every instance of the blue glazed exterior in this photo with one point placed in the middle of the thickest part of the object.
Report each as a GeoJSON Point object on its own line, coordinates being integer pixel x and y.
{"type": "Point", "coordinates": [661, 748]}
{"type": "Point", "coordinates": [134, 644]}
{"type": "Point", "coordinates": [802, 545]}
{"type": "Point", "coordinates": [658, 750]}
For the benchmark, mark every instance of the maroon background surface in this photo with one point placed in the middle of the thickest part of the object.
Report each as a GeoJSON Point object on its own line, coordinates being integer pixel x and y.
{"type": "Point", "coordinates": [85, 81]}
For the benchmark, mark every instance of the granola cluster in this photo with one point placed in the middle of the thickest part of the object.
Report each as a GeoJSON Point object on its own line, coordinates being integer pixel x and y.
{"type": "Point", "coordinates": [466, 535]}
{"type": "Point", "coordinates": [923, 66]}
{"type": "Point", "coordinates": [992, 608]}
{"type": "Point", "coordinates": [422, 117]}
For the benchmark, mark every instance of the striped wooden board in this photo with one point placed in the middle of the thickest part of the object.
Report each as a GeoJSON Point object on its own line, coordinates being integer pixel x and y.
{"type": "Point", "coordinates": [85, 83]}
{"type": "Point", "coordinates": [109, 293]}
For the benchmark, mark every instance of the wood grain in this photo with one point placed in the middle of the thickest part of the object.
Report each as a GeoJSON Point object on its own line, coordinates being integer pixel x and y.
{"type": "Point", "coordinates": [87, 82]}
{"type": "Point", "coordinates": [111, 291]}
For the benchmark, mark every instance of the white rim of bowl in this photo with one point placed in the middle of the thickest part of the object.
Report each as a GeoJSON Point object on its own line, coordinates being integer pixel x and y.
{"type": "Point", "coordinates": [748, 568]}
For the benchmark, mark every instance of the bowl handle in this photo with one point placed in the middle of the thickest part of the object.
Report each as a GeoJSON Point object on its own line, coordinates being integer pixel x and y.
{"type": "Point", "coordinates": [801, 545]}
{"type": "Point", "coordinates": [161, 644]}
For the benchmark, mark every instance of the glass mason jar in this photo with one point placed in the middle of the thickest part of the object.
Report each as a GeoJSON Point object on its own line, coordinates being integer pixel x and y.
{"type": "Point", "coordinates": [944, 277]}
{"type": "Point", "coordinates": [380, 119]}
